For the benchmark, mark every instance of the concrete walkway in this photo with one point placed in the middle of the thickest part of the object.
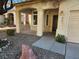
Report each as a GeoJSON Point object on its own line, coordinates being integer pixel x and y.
{"type": "Point", "coordinates": [48, 43]}
{"type": "Point", "coordinates": [69, 50]}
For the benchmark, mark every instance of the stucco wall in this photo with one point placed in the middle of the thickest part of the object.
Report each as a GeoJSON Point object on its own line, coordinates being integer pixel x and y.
{"type": "Point", "coordinates": [37, 5]}
{"type": "Point", "coordinates": [64, 15]}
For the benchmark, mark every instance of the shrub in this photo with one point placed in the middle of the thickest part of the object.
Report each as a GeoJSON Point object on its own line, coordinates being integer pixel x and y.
{"type": "Point", "coordinates": [10, 32]}
{"type": "Point", "coordinates": [60, 38]}
{"type": "Point", "coordinates": [3, 43]}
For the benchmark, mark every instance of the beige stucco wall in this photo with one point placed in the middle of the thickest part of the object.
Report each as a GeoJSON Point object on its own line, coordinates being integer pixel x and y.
{"type": "Point", "coordinates": [38, 6]}
{"type": "Point", "coordinates": [64, 15]}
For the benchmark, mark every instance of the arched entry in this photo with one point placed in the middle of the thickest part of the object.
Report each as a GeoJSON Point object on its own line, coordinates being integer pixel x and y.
{"type": "Point", "coordinates": [51, 21]}
{"type": "Point", "coordinates": [28, 21]}
{"type": "Point", "coordinates": [11, 19]}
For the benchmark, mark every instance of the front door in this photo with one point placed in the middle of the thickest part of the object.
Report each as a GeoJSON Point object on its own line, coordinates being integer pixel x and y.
{"type": "Point", "coordinates": [54, 25]}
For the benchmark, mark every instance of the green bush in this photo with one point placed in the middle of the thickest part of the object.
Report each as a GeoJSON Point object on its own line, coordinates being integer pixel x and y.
{"type": "Point", "coordinates": [10, 32]}
{"type": "Point", "coordinates": [60, 38]}
{"type": "Point", "coordinates": [3, 43]}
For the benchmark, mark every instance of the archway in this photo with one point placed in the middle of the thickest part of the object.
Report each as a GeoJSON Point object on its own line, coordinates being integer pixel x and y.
{"type": "Point", "coordinates": [51, 21]}
{"type": "Point", "coordinates": [29, 20]}
{"type": "Point", "coordinates": [10, 19]}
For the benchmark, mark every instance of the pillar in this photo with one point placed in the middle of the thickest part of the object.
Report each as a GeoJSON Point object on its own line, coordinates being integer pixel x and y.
{"type": "Point", "coordinates": [40, 24]}
{"type": "Point", "coordinates": [14, 18]}
{"type": "Point", "coordinates": [18, 22]}
{"type": "Point", "coordinates": [30, 18]}
{"type": "Point", "coordinates": [2, 17]}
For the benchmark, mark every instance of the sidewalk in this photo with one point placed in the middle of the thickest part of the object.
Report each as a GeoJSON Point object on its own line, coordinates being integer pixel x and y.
{"type": "Point", "coordinates": [50, 44]}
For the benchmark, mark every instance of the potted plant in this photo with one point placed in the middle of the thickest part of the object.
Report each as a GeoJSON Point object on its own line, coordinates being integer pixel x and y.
{"type": "Point", "coordinates": [60, 38]}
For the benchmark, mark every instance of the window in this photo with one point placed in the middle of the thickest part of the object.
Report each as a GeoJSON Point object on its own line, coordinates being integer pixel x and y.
{"type": "Point", "coordinates": [35, 18]}
{"type": "Point", "coordinates": [47, 19]}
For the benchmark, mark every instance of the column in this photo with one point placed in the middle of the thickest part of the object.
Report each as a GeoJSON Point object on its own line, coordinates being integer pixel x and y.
{"type": "Point", "coordinates": [2, 17]}
{"type": "Point", "coordinates": [18, 22]}
{"type": "Point", "coordinates": [24, 20]}
{"type": "Point", "coordinates": [30, 18]}
{"type": "Point", "coordinates": [14, 18]}
{"type": "Point", "coordinates": [40, 23]}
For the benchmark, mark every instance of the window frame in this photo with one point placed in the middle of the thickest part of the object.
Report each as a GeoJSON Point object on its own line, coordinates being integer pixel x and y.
{"type": "Point", "coordinates": [47, 20]}
{"type": "Point", "coordinates": [33, 17]}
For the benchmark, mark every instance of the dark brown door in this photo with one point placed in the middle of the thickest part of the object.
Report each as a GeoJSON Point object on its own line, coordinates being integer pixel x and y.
{"type": "Point", "coordinates": [55, 21]}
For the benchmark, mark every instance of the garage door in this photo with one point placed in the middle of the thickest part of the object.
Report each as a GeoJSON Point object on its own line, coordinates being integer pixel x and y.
{"type": "Point", "coordinates": [73, 30]}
